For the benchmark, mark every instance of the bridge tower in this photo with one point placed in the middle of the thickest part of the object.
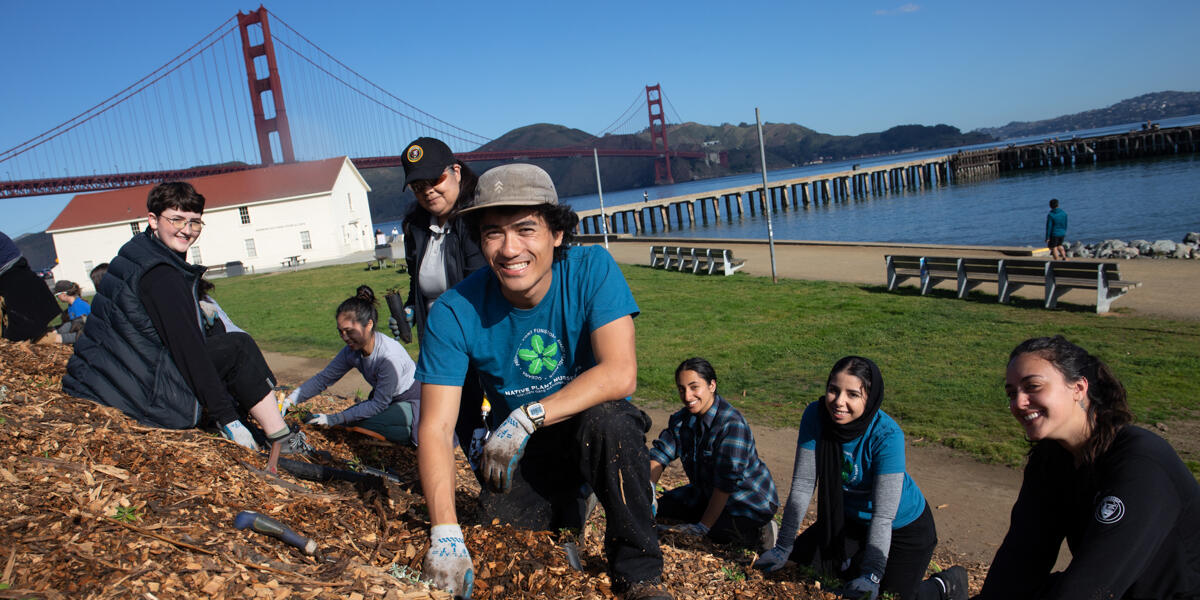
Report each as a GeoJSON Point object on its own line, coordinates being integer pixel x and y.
{"type": "Point", "coordinates": [269, 82]}
{"type": "Point", "coordinates": [658, 131]}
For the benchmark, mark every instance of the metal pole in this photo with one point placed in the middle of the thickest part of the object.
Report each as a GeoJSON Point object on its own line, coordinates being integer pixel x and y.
{"type": "Point", "coordinates": [762, 153]}
{"type": "Point", "coordinates": [600, 192]}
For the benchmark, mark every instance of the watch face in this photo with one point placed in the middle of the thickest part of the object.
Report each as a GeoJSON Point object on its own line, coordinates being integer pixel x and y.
{"type": "Point", "coordinates": [535, 411]}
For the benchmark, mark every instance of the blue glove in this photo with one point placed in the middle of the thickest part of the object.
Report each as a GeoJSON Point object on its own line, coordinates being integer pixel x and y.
{"type": "Point", "coordinates": [772, 560]}
{"type": "Point", "coordinates": [448, 563]}
{"type": "Point", "coordinates": [237, 432]}
{"type": "Point", "coordinates": [696, 529]}
{"type": "Point", "coordinates": [866, 587]}
{"type": "Point", "coordinates": [504, 450]}
{"type": "Point", "coordinates": [394, 325]}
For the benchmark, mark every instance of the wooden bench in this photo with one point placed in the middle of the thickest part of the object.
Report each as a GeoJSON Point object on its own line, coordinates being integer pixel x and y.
{"type": "Point", "coordinates": [697, 260]}
{"type": "Point", "coordinates": [1011, 274]}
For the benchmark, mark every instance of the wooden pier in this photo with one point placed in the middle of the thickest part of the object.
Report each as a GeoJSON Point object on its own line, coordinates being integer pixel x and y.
{"type": "Point", "coordinates": [1052, 152]}
{"type": "Point", "coordinates": [665, 214]}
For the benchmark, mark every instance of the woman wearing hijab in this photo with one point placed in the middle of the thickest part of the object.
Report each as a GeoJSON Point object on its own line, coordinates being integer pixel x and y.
{"type": "Point", "coordinates": [873, 526]}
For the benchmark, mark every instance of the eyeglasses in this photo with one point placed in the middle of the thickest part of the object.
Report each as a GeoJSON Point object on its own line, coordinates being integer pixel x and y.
{"type": "Point", "coordinates": [420, 185]}
{"type": "Point", "coordinates": [182, 222]}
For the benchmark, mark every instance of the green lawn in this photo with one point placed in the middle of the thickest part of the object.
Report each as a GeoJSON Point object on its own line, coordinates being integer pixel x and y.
{"type": "Point", "coordinates": [942, 359]}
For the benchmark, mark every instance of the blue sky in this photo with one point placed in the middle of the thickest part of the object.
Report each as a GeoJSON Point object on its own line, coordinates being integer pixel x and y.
{"type": "Point", "coordinates": [837, 67]}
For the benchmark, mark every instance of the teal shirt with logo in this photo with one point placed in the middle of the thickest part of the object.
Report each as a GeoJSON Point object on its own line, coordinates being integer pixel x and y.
{"type": "Point", "coordinates": [524, 355]}
{"type": "Point", "coordinates": [877, 451]}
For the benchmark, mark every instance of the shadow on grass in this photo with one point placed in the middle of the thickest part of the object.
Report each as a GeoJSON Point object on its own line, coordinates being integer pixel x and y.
{"type": "Point", "coordinates": [982, 298]}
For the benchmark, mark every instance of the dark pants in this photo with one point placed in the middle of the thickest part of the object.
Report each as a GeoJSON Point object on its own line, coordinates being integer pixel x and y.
{"type": "Point", "coordinates": [908, 557]}
{"type": "Point", "coordinates": [604, 449]}
{"type": "Point", "coordinates": [398, 422]}
{"type": "Point", "coordinates": [28, 304]}
{"type": "Point", "coordinates": [242, 368]}
{"type": "Point", "coordinates": [686, 504]}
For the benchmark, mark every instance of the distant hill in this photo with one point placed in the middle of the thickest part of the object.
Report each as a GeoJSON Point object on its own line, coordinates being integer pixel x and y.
{"type": "Point", "coordinates": [786, 145]}
{"type": "Point", "coordinates": [1154, 106]}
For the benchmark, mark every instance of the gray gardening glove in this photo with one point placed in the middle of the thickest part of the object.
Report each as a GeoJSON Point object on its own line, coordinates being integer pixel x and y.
{"type": "Point", "coordinates": [865, 587]}
{"type": "Point", "coordinates": [772, 560]}
{"type": "Point", "coordinates": [287, 403]}
{"type": "Point", "coordinates": [504, 450]}
{"type": "Point", "coordinates": [318, 419]}
{"type": "Point", "coordinates": [237, 432]}
{"type": "Point", "coordinates": [448, 563]}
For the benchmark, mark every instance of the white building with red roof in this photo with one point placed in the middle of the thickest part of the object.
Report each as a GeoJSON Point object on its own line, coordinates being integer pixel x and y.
{"type": "Point", "coordinates": [261, 217]}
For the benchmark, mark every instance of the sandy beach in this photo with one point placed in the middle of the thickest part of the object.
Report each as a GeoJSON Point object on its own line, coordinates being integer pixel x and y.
{"type": "Point", "coordinates": [1170, 287]}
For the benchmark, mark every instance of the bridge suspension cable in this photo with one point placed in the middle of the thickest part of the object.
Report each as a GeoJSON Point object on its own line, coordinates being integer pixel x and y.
{"type": "Point", "coordinates": [379, 102]}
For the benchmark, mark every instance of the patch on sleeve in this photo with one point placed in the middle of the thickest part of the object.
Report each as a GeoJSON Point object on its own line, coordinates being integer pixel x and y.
{"type": "Point", "coordinates": [1110, 510]}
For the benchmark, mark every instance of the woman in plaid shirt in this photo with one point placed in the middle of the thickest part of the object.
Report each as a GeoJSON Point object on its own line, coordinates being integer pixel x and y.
{"type": "Point", "coordinates": [731, 496]}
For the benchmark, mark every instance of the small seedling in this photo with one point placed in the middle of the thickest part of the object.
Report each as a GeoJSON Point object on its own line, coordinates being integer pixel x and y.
{"type": "Point", "coordinates": [733, 574]}
{"type": "Point", "coordinates": [403, 573]}
{"type": "Point", "coordinates": [3, 421]}
{"type": "Point", "coordinates": [126, 514]}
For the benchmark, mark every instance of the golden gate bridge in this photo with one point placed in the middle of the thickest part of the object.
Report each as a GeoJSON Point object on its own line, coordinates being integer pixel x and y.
{"type": "Point", "coordinates": [221, 104]}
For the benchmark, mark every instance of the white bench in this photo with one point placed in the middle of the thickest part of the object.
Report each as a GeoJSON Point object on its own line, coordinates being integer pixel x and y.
{"type": "Point", "coordinates": [696, 260]}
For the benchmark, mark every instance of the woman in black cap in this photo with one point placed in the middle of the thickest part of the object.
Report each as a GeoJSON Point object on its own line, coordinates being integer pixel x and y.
{"type": "Point", "coordinates": [438, 248]}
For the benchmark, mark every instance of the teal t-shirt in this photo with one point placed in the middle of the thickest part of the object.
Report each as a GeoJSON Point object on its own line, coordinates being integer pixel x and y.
{"type": "Point", "coordinates": [879, 450]}
{"type": "Point", "coordinates": [524, 355]}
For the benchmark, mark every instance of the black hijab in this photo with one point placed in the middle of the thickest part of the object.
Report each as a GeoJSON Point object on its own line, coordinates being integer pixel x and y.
{"type": "Point", "coordinates": [830, 509]}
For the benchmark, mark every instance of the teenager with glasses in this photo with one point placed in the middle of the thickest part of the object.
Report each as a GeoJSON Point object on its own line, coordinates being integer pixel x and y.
{"type": "Point", "coordinates": [144, 349]}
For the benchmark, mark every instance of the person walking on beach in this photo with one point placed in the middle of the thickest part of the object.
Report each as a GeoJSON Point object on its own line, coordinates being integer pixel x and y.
{"type": "Point", "coordinates": [1056, 230]}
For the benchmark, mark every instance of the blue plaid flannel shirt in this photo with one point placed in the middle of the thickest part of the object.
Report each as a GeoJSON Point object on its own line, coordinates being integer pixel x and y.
{"type": "Point", "coordinates": [717, 452]}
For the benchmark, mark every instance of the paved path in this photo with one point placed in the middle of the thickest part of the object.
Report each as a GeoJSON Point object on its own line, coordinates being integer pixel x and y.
{"type": "Point", "coordinates": [1169, 289]}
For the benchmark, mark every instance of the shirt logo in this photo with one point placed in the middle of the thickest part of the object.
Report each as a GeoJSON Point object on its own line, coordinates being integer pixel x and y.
{"type": "Point", "coordinates": [538, 354]}
{"type": "Point", "coordinates": [1110, 510]}
{"type": "Point", "coordinates": [415, 153]}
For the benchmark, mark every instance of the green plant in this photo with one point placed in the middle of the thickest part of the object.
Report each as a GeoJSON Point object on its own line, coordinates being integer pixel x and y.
{"type": "Point", "coordinates": [403, 573]}
{"type": "Point", "coordinates": [3, 421]}
{"type": "Point", "coordinates": [126, 514]}
{"type": "Point", "coordinates": [733, 573]}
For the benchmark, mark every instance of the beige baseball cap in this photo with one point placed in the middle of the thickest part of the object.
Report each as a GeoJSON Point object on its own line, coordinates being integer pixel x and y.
{"type": "Point", "coordinates": [517, 184]}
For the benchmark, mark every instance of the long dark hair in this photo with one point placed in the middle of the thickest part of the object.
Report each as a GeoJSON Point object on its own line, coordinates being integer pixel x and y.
{"type": "Point", "coordinates": [360, 306]}
{"type": "Point", "coordinates": [1107, 411]}
{"type": "Point", "coordinates": [702, 368]}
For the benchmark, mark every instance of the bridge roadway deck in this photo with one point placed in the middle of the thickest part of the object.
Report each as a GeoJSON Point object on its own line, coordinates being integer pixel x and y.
{"type": "Point", "coordinates": [663, 203]}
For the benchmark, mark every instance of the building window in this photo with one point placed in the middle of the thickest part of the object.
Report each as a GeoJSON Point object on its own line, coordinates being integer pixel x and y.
{"type": "Point", "coordinates": [244, 213]}
{"type": "Point", "coordinates": [349, 202]}
{"type": "Point", "coordinates": [250, 251]}
{"type": "Point", "coordinates": [305, 241]}
{"type": "Point", "coordinates": [196, 255]}
{"type": "Point", "coordinates": [88, 266]}
{"type": "Point", "coordinates": [135, 227]}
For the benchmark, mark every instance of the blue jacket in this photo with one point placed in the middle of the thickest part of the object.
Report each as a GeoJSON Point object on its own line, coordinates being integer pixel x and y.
{"type": "Point", "coordinates": [120, 360]}
{"type": "Point", "coordinates": [1056, 223]}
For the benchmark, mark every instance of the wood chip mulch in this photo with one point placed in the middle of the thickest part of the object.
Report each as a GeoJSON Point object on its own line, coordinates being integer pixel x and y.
{"type": "Point", "coordinates": [99, 506]}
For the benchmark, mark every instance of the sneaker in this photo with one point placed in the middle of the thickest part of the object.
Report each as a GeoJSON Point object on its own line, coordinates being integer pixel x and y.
{"type": "Point", "coordinates": [955, 581]}
{"type": "Point", "coordinates": [295, 443]}
{"type": "Point", "coordinates": [651, 589]}
{"type": "Point", "coordinates": [767, 535]}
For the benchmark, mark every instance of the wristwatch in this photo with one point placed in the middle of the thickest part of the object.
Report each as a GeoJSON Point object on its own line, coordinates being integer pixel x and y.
{"type": "Point", "coordinates": [536, 413]}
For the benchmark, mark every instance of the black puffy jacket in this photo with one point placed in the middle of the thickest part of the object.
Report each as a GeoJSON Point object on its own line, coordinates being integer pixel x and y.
{"type": "Point", "coordinates": [120, 360]}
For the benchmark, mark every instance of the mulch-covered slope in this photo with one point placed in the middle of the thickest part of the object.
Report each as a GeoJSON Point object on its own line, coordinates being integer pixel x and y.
{"type": "Point", "coordinates": [98, 506]}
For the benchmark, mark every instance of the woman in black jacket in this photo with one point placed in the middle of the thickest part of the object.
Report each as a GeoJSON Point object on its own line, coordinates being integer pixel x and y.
{"type": "Point", "coordinates": [438, 247]}
{"type": "Point", "coordinates": [1119, 494]}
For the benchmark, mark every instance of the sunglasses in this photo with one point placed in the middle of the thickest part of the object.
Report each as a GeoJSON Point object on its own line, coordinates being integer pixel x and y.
{"type": "Point", "coordinates": [420, 185]}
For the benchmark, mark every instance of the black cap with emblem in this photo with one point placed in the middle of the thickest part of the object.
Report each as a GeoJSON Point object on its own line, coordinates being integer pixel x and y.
{"type": "Point", "coordinates": [426, 158]}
